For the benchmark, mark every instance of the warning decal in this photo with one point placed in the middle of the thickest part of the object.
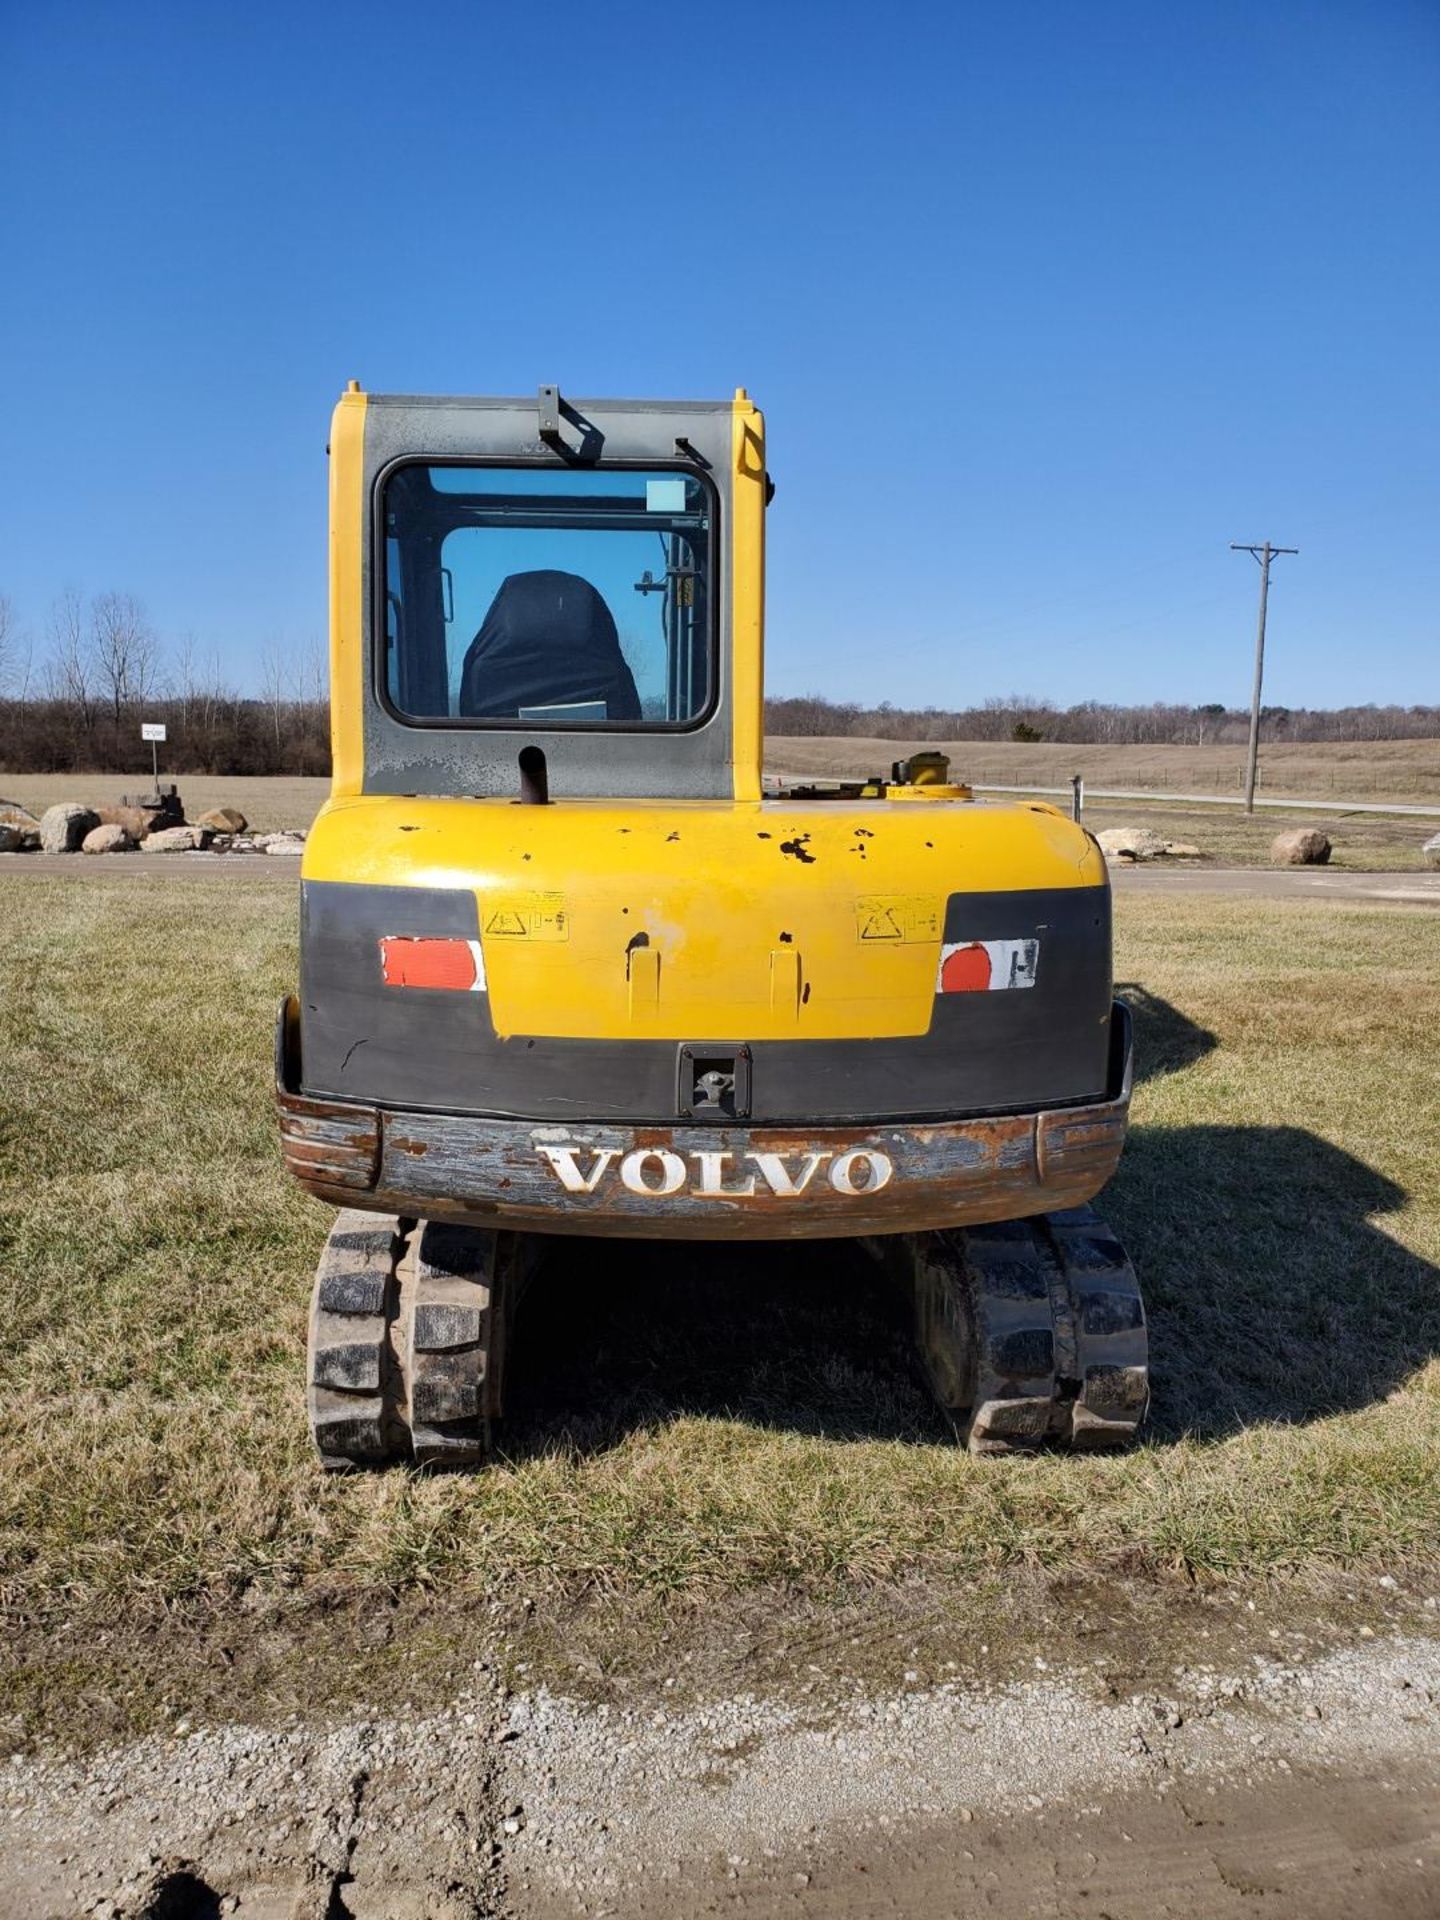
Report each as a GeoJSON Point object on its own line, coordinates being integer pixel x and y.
{"type": "Point", "coordinates": [524, 916]}
{"type": "Point", "coordinates": [901, 919]}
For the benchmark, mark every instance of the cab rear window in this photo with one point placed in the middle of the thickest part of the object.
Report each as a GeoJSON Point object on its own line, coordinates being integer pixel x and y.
{"type": "Point", "coordinates": [541, 597]}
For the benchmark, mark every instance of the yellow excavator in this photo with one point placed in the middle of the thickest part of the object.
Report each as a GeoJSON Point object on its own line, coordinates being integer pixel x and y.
{"type": "Point", "coordinates": [571, 965]}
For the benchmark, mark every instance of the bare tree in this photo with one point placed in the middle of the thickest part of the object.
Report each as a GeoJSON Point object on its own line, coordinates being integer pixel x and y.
{"type": "Point", "coordinates": [69, 674]}
{"type": "Point", "coordinates": [187, 678]}
{"type": "Point", "coordinates": [274, 680]}
{"type": "Point", "coordinates": [314, 676]}
{"type": "Point", "coordinates": [125, 652]}
{"type": "Point", "coordinates": [23, 670]}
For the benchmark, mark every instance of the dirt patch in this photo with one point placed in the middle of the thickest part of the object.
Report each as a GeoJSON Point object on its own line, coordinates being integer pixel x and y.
{"type": "Point", "coordinates": [1311, 1781]}
{"type": "Point", "coordinates": [1307, 1845]}
{"type": "Point", "coordinates": [808, 1802]}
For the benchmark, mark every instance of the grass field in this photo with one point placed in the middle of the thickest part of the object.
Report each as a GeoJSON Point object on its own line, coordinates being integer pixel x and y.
{"type": "Point", "coordinates": [705, 1426]}
{"type": "Point", "coordinates": [1360, 843]}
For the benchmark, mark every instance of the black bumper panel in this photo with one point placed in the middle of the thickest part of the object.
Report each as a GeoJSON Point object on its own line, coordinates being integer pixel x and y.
{"type": "Point", "coordinates": [985, 1053]}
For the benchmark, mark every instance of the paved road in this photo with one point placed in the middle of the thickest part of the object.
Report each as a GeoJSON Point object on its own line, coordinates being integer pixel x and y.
{"type": "Point", "coordinates": [1282, 883]}
{"type": "Point", "coordinates": [146, 866]}
{"type": "Point", "coordinates": [1425, 810]}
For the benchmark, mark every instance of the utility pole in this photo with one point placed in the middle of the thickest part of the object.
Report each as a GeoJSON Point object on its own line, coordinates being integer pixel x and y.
{"type": "Point", "coordinates": [1262, 556]}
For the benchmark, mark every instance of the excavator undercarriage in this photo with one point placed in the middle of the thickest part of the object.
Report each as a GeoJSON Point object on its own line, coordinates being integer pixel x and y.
{"type": "Point", "coordinates": [1029, 1331]}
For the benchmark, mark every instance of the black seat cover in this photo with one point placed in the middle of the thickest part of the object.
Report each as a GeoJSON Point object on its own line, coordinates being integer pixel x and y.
{"type": "Point", "coordinates": [548, 640]}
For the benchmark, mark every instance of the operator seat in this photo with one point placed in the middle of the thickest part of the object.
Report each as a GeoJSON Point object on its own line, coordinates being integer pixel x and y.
{"type": "Point", "coordinates": [548, 640]}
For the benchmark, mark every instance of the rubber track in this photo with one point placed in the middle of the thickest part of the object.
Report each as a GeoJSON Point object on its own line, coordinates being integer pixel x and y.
{"type": "Point", "coordinates": [1008, 1278]}
{"type": "Point", "coordinates": [451, 1328]}
{"type": "Point", "coordinates": [1030, 1330]}
{"type": "Point", "coordinates": [1110, 1371]}
{"type": "Point", "coordinates": [350, 1365]}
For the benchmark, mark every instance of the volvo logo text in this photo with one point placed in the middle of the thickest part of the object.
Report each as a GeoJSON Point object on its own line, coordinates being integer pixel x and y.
{"type": "Point", "coordinates": [659, 1173]}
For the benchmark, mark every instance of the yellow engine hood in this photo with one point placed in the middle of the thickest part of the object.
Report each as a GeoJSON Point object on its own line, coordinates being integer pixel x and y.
{"type": "Point", "coordinates": [754, 920]}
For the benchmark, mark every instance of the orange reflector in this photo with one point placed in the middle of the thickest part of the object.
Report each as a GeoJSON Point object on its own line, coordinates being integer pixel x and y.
{"type": "Point", "coordinates": [407, 961]}
{"type": "Point", "coordinates": [987, 966]}
{"type": "Point", "coordinates": [965, 970]}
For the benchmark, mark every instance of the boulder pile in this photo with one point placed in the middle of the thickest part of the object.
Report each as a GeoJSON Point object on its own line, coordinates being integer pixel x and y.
{"type": "Point", "coordinates": [63, 828]}
{"type": "Point", "coordinates": [18, 820]}
{"type": "Point", "coordinates": [1127, 845]}
{"type": "Point", "coordinates": [224, 820]}
{"type": "Point", "coordinates": [149, 823]}
{"type": "Point", "coordinates": [1301, 847]}
{"type": "Point", "coordinates": [107, 838]}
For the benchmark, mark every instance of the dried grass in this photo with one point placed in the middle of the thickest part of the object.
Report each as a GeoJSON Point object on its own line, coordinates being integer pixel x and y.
{"type": "Point", "coordinates": [695, 1424]}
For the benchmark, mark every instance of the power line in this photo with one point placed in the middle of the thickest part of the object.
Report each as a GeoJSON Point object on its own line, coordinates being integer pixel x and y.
{"type": "Point", "coordinates": [1262, 556]}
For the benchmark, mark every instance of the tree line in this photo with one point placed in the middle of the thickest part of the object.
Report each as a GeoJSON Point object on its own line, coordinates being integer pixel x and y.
{"type": "Point", "coordinates": [73, 701]}
{"type": "Point", "coordinates": [1097, 723]}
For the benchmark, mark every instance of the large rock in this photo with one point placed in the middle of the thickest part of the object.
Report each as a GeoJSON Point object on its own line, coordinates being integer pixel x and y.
{"type": "Point", "coordinates": [1301, 847]}
{"type": "Point", "coordinates": [142, 814]}
{"type": "Point", "coordinates": [107, 839]}
{"type": "Point", "coordinates": [138, 821]}
{"type": "Point", "coordinates": [284, 843]}
{"type": "Point", "coordinates": [12, 814]}
{"type": "Point", "coordinates": [12, 839]}
{"type": "Point", "coordinates": [177, 840]}
{"type": "Point", "coordinates": [1131, 843]}
{"type": "Point", "coordinates": [63, 828]}
{"type": "Point", "coordinates": [1430, 852]}
{"type": "Point", "coordinates": [224, 820]}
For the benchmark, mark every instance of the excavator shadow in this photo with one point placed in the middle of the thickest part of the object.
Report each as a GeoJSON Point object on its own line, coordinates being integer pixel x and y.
{"type": "Point", "coordinates": [1165, 1038]}
{"type": "Point", "coordinates": [1271, 1296]}
{"type": "Point", "coordinates": [801, 1336]}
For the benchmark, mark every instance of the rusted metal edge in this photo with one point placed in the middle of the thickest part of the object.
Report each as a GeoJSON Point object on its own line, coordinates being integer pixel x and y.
{"type": "Point", "coordinates": [759, 1183]}
{"type": "Point", "coordinates": [331, 1146]}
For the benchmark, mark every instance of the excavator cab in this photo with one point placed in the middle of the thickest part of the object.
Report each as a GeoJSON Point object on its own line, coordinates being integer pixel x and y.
{"type": "Point", "coordinates": [567, 969]}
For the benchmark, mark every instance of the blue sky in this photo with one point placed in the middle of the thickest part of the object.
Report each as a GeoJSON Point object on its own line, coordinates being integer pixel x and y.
{"type": "Point", "coordinates": [1046, 303]}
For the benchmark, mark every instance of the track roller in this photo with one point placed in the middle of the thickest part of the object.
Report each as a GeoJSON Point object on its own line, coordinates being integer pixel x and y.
{"type": "Point", "coordinates": [1029, 1330]}
{"type": "Point", "coordinates": [408, 1323]}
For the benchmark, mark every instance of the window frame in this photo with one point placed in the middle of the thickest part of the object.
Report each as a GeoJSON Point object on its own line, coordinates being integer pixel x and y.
{"type": "Point", "coordinates": [454, 722]}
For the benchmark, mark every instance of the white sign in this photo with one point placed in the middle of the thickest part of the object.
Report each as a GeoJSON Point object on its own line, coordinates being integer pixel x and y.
{"type": "Point", "coordinates": [152, 730]}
